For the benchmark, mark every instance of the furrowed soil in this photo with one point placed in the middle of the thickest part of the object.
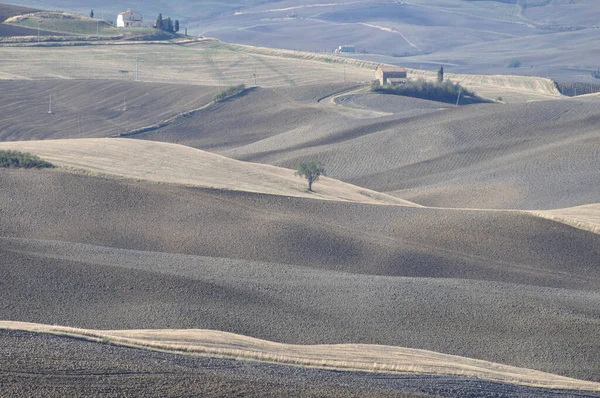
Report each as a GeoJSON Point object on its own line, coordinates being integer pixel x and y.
{"type": "Point", "coordinates": [539, 155]}
{"type": "Point", "coordinates": [501, 286]}
{"type": "Point", "coordinates": [33, 361]}
{"type": "Point", "coordinates": [91, 108]}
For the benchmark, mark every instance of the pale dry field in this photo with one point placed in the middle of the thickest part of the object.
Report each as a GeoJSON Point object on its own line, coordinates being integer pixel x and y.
{"type": "Point", "coordinates": [202, 62]}
{"type": "Point", "coordinates": [214, 63]}
{"type": "Point", "coordinates": [358, 357]}
{"type": "Point", "coordinates": [178, 164]}
{"type": "Point", "coordinates": [585, 217]}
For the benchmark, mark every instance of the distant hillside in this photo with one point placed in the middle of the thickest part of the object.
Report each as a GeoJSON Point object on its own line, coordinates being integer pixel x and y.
{"type": "Point", "coordinates": [421, 33]}
{"type": "Point", "coordinates": [61, 22]}
{"type": "Point", "coordinates": [9, 10]}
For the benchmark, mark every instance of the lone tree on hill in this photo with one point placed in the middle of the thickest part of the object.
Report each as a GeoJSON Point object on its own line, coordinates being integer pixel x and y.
{"type": "Point", "coordinates": [92, 14]}
{"type": "Point", "coordinates": [441, 74]}
{"type": "Point", "coordinates": [311, 170]}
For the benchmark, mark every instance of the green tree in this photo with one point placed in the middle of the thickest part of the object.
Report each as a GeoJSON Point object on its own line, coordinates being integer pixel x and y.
{"type": "Point", "coordinates": [311, 170]}
{"type": "Point", "coordinates": [441, 74]}
{"type": "Point", "coordinates": [159, 22]}
{"type": "Point", "coordinates": [92, 14]}
{"type": "Point", "coordinates": [176, 25]}
{"type": "Point", "coordinates": [169, 25]}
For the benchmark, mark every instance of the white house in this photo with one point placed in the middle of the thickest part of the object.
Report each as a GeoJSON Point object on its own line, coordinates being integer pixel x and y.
{"type": "Point", "coordinates": [345, 49]}
{"type": "Point", "coordinates": [129, 19]}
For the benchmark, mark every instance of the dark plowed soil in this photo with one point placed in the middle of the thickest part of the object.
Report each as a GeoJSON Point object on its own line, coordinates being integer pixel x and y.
{"type": "Point", "coordinates": [527, 156]}
{"type": "Point", "coordinates": [9, 10]}
{"type": "Point", "coordinates": [379, 240]}
{"type": "Point", "coordinates": [10, 31]}
{"type": "Point", "coordinates": [91, 108]}
{"type": "Point", "coordinates": [49, 366]}
{"type": "Point", "coordinates": [524, 291]}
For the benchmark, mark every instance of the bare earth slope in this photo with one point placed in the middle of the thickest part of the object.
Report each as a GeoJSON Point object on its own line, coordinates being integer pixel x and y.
{"type": "Point", "coordinates": [133, 372]}
{"type": "Point", "coordinates": [348, 357]}
{"type": "Point", "coordinates": [523, 156]}
{"type": "Point", "coordinates": [539, 155]}
{"type": "Point", "coordinates": [90, 108]}
{"type": "Point", "coordinates": [9, 10]}
{"type": "Point", "coordinates": [98, 287]}
{"type": "Point", "coordinates": [178, 164]}
{"type": "Point", "coordinates": [585, 217]}
{"type": "Point", "coordinates": [382, 240]}
{"type": "Point", "coordinates": [41, 366]}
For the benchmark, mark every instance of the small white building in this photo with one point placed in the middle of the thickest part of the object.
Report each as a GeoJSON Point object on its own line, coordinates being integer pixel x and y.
{"type": "Point", "coordinates": [345, 49]}
{"type": "Point", "coordinates": [129, 19]}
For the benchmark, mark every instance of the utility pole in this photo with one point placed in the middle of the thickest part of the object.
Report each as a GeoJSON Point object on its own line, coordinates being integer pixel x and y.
{"type": "Point", "coordinates": [458, 98]}
{"type": "Point", "coordinates": [254, 74]}
{"type": "Point", "coordinates": [344, 73]}
{"type": "Point", "coordinates": [124, 104]}
{"type": "Point", "coordinates": [97, 28]}
{"type": "Point", "coordinates": [136, 68]}
{"type": "Point", "coordinates": [39, 31]}
{"type": "Point", "coordinates": [50, 106]}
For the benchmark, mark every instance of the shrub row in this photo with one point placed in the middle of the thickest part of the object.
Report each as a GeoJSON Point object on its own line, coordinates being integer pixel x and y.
{"type": "Point", "coordinates": [229, 92]}
{"type": "Point", "coordinates": [446, 91]}
{"type": "Point", "coordinates": [15, 159]}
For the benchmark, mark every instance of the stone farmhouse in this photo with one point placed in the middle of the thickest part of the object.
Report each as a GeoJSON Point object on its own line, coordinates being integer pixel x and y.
{"type": "Point", "coordinates": [129, 19]}
{"type": "Point", "coordinates": [391, 75]}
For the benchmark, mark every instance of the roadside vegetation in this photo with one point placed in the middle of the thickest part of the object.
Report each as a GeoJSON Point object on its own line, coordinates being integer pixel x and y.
{"type": "Point", "coordinates": [443, 91]}
{"type": "Point", "coordinates": [229, 92]}
{"type": "Point", "coordinates": [15, 159]}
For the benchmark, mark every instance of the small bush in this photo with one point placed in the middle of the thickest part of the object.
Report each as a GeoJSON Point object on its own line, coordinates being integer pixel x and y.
{"type": "Point", "coordinates": [596, 74]}
{"type": "Point", "coordinates": [229, 92]}
{"type": "Point", "coordinates": [514, 63]}
{"type": "Point", "coordinates": [15, 159]}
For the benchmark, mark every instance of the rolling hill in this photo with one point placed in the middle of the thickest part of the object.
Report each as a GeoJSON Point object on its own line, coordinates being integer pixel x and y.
{"type": "Point", "coordinates": [539, 155]}
{"type": "Point", "coordinates": [469, 232]}
{"type": "Point", "coordinates": [535, 156]}
{"type": "Point", "coordinates": [176, 164]}
{"type": "Point", "coordinates": [342, 356]}
{"type": "Point", "coordinates": [551, 38]}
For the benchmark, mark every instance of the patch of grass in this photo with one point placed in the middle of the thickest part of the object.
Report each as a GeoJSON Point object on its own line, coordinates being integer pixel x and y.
{"type": "Point", "coordinates": [15, 159]}
{"type": "Point", "coordinates": [229, 92]}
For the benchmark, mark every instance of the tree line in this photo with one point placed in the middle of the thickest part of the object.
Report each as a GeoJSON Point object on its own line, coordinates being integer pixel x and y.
{"type": "Point", "coordinates": [166, 24]}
